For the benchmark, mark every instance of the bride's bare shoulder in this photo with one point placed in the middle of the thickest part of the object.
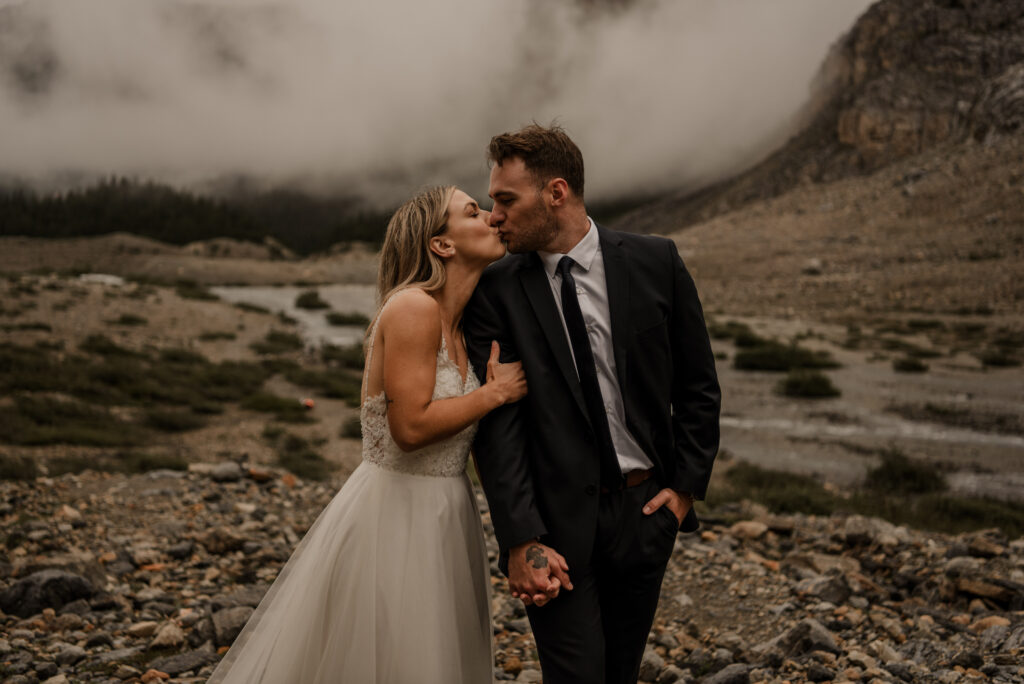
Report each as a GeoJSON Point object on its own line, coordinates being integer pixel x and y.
{"type": "Point", "coordinates": [411, 310]}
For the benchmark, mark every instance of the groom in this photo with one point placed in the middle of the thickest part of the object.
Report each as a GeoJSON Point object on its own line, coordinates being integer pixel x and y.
{"type": "Point", "coordinates": [590, 477]}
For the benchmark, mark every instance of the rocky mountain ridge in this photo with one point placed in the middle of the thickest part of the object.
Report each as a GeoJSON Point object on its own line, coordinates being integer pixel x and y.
{"type": "Point", "coordinates": [910, 75]}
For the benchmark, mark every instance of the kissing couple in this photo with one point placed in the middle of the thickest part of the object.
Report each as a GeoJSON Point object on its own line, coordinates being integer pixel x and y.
{"type": "Point", "coordinates": [577, 370]}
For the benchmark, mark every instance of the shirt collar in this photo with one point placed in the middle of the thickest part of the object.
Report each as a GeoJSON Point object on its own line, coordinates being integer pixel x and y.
{"type": "Point", "coordinates": [583, 253]}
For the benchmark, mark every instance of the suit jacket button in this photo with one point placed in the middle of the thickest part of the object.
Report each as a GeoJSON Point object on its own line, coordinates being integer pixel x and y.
{"type": "Point", "coordinates": [590, 489]}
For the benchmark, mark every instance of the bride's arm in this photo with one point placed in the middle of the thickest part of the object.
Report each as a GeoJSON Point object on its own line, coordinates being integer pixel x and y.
{"type": "Point", "coordinates": [410, 331]}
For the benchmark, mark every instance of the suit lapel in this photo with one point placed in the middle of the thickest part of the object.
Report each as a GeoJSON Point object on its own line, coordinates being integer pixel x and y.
{"type": "Point", "coordinates": [538, 291]}
{"type": "Point", "coordinates": [616, 271]}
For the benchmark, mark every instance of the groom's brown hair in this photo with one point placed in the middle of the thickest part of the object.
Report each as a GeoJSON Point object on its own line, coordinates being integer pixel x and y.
{"type": "Point", "coordinates": [546, 152]}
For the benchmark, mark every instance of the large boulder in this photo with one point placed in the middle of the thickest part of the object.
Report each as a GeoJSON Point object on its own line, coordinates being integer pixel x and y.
{"type": "Point", "coordinates": [44, 589]}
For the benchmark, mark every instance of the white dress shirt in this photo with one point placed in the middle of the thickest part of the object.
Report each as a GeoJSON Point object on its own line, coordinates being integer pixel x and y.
{"type": "Point", "coordinates": [592, 293]}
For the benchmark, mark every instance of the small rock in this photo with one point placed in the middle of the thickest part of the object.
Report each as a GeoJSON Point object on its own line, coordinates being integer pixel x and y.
{"type": "Point", "coordinates": [154, 676]}
{"type": "Point", "coordinates": [651, 665]}
{"type": "Point", "coordinates": [126, 672]}
{"type": "Point", "coordinates": [533, 676]}
{"type": "Point", "coordinates": [221, 540]}
{"type": "Point", "coordinates": [69, 655]}
{"type": "Point", "coordinates": [737, 673]}
{"type": "Point", "coordinates": [817, 672]}
{"type": "Point", "coordinates": [229, 622]}
{"type": "Point", "coordinates": [984, 548]}
{"type": "Point", "coordinates": [170, 635]}
{"type": "Point", "coordinates": [226, 471]}
{"type": "Point", "coordinates": [833, 589]}
{"type": "Point", "coordinates": [520, 625]}
{"type": "Point", "coordinates": [44, 589]}
{"type": "Point", "coordinates": [671, 675]}
{"type": "Point", "coordinates": [991, 621]}
{"type": "Point", "coordinates": [184, 662]}
{"type": "Point", "coordinates": [748, 529]}
{"type": "Point", "coordinates": [66, 512]}
{"type": "Point", "coordinates": [58, 679]}
{"type": "Point", "coordinates": [143, 629]}
{"type": "Point", "coordinates": [512, 665]}
{"type": "Point", "coordinates": [812, 266]}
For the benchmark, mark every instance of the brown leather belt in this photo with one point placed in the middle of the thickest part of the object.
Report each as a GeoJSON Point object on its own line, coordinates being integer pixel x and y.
{"type": "Point", "coordinates": [630, 479]}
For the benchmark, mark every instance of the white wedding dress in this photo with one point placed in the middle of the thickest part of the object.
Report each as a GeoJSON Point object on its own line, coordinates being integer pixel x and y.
{"type": "Point", "coordinates": [391, 582]}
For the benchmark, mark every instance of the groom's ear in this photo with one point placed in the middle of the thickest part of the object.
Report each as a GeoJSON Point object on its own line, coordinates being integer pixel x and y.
{"type": "Point", "coordinates": [559, 189]}
{"type": "Point", "coordinates": [442, 246]}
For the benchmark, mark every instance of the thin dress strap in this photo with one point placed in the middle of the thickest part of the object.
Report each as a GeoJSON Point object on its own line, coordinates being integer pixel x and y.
{"type": "Point", "coordinates": [369, 343]}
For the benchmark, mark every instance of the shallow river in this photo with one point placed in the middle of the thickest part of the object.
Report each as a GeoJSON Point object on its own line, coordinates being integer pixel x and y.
{"type": "Point", "coordinates": [313, 325]}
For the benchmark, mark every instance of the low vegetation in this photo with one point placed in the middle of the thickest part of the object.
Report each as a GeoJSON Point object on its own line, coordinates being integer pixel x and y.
{"type": "Point", "coordinates": [284, 409]}
{"type": "Point", "coordinates": [909, 364]}
{"type": "Point", "coordinates": [899, 489]}
{"type": "Point", "coordinates": [310, 299]}
{"type": "Point", "coordinates": [352, 318]}
{"type": "Point", "coordinates": [297, 455]}
{"type": "Point", "coordinates": [807, 384]}
{"type": "Point", "coordinates": [277, 342]}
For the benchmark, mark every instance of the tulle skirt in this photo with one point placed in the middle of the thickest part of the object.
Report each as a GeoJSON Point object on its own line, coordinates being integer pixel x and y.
{"type": "Point", "coordinates": [390, 585]}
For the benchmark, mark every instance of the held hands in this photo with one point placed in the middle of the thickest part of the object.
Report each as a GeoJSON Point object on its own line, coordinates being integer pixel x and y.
{"type": "Point", "coordinates": [679, 503]}
{"type": "Point", "coordinates": [537, 573]}
{"type": "Point", "coordinates": [506, 380]}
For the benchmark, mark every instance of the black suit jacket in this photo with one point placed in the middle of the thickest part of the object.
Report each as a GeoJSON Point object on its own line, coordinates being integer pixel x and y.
{"type": "Point", "coordinates": [538, 458]}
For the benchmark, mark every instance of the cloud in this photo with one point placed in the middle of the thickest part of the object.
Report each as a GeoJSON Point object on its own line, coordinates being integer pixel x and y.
{"type": "Point", "coordinates": [379, 98]}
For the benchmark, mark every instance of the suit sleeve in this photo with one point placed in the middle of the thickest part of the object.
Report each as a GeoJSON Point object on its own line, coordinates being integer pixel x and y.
{"type": "Point", "coordinates": [696, 396]}
{"type": "Point", "coordinates": [501, 445]}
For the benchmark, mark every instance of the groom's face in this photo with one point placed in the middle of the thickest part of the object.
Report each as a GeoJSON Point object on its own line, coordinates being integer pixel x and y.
{"type": "Point", "coordinates": [521, 214]}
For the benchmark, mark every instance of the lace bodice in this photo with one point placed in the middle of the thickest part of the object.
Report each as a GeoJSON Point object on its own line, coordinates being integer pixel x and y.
{"type": "Point", "coordinates": [446, 458]}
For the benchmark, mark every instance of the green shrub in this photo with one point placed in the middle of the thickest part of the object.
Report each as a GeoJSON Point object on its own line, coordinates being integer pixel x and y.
{"type": "Point", "coordinates": [36, 421]}
{"type": "Point", "coordinates": [908, 364]}
{"type": "Point", "coordinates": [728, 330]}
{"type": "Point", "coordinates": [174, 421]}
{"type": "Point", "coordinates": [898, 474]}
{"type": "Point", "coordinates": [780, 491]}
{"type": "Point", "coordinates": [212, 335]}
{"type": "Point", "coordinates": [331, 384]}
{"type": "Point", "coordinates": [352, 428]}
{"type": "Point", "coordinates": [18, 467]}
{"type": "Point", "coordinates": [189, 289]}
{"type": "Point", "coordinates": [349, 357]}
{"type": "Point", "coordinates": [134, 462]}
{"type": "Point", "coordinates": [338, 318]}
{"type": "Point", "coordinates": [775, 356]}
{"type": "Point", "coordinates": [182, 356]}
{"type": "Point", "coordinates": [285, 410]}
{"type": "Point", "coordinates": [277, 342]}
{"type": "Point", "coordinates": [806, 383]}
{"type": "Point", "coordinates": [296, 455]}
{"type": "Point", "coordinates": [925, 324]}
{"type": "Point", "coordinates": [252, 308]}
{"type": "Point", "coordinates": [997, 358]}
{"type": "Point", "coordinates": [104, 346]}
{"type": "Point", "coordinates": [129, 319]}
{"type": "Point", "coordinates": [310, 299]}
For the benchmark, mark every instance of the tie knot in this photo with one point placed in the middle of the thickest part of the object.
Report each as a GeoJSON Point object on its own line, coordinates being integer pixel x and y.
{"type": "Point", "coordinates": [565, 265]}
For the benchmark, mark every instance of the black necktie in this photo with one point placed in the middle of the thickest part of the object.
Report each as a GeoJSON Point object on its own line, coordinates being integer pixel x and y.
{"type": "Point", "coordinates": [611, 473]}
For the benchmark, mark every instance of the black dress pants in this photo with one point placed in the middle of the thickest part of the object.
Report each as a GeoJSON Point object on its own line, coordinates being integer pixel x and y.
{"type": "Point", "coordinates": [596, 633]}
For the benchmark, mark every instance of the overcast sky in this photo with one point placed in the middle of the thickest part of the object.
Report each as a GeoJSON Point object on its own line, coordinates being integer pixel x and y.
{"type": "Point", "coordinates": [383, 97]}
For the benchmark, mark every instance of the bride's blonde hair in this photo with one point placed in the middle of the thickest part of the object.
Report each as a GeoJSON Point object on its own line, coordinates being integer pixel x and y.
{"type": "Point", "coordinates": [405, 258]}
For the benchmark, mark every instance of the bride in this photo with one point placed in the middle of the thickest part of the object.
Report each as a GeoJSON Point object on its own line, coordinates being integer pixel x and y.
{"type": "Point", "coordinates": [391, 582]}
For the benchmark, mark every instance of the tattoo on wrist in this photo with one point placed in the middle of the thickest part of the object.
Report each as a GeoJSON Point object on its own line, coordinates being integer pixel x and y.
{"type": "Point", "coordinates": [535, 557]}
{"type": "Point", "coordinates": [387, 402]}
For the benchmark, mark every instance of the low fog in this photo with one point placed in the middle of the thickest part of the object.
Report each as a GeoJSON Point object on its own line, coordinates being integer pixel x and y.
{"type": "Point", "coordinates": [380, 98]}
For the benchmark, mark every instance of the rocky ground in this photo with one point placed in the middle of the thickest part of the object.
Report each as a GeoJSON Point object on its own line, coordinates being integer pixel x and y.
{"type": "Point", "coordinates": [113, 578]}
